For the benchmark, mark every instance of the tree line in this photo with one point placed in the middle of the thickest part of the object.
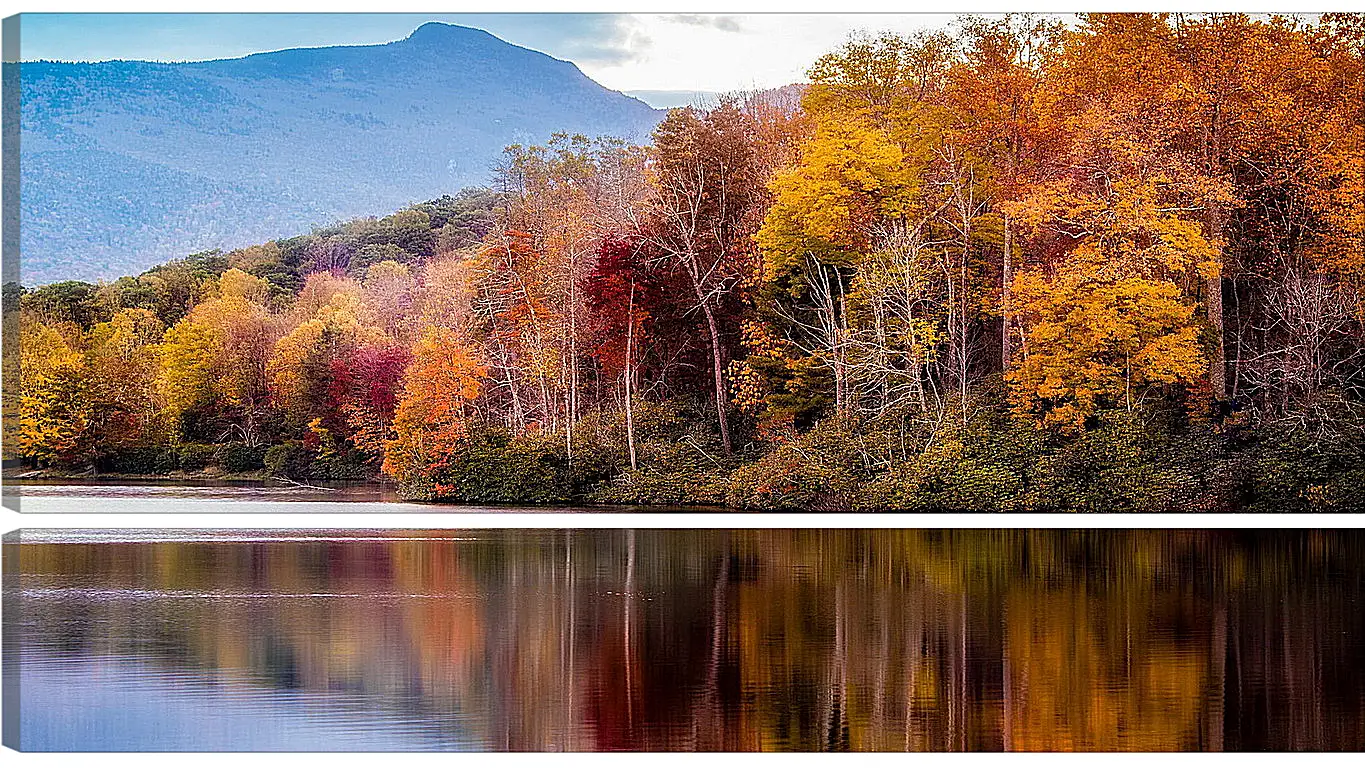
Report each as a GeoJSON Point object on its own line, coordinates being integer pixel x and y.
{"type": "Point", "coordinates": [1011, 265]}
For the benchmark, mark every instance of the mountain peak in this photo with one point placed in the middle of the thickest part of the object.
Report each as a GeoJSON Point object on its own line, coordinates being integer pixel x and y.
{"type": "Point", "coordinates": [180, 158]}
{"type": "Point", "coordinates": [436, 32]}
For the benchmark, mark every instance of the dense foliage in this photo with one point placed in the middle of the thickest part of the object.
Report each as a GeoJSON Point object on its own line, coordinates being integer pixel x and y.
{"type": "Point", "coordinates": [1018, 267]}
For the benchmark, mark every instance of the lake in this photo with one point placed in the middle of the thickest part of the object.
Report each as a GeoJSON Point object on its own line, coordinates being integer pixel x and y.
{"type": "Point", "coordinates": [687, 640]}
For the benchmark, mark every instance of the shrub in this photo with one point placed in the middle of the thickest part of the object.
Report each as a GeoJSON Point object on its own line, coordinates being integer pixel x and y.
{"type": "Point", "coordinates": [659, 488]}
{"type": "Point", "coordinates": [336, 468]}
{"type": "Point", "coordinates": [950, 475]}
{"type": "Point", "coordinates": [1344, 493]}
{"type": "Point", "coordinates": [820, 470]}
{"type": "Point", "coordinates": [289, 459]}
{"type": "Point", "coordinates": [168, 460]}
{"type": "Point", "coordinates": [1304, 467]}
{"type": "Point", "coordinates": [680, 461]}
{"type": "Point", "coordinates": [196, 456]}
{"type": "Point", "coordinates": [1134, 462]}
{"type": "Point", "coordinates": [496, 468]}
{"type": "Point", "coordinates": [138, 461]}
{"type": "Point", "coordinates": [240, 457]}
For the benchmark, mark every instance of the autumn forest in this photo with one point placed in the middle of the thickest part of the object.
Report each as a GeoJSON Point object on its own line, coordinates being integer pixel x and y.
{"type": "Point", "coordinates": [1012, 265]}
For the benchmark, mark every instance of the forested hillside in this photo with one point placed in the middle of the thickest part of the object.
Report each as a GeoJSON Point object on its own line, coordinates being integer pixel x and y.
{"type": "Point", "coordinates": [127, 164]}
{"type": "Point", "coordinates": [1008, 266]}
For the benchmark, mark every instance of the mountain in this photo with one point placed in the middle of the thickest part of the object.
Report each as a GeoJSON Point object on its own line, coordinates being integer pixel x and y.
{"type": "Point", "coordinates": [126, 164]}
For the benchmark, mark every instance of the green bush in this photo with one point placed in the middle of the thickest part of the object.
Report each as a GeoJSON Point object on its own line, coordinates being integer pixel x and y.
{"type": "Point", "coordinates": [1345, 492]}
{"type": "Point", "coordinates": [1142, 461]}
{"type": "Point", "coordinates": [816, 471]}
{"type": "Point", "coordinates": [655, 487]}
{"type": "Point", "coordinates": [139, 461]}
{"type": "Point", "coordinates": [240, 457]}
{"type": "Point", "coordinates": [679, 457]}
{"type": "Point", "coordinates": [196, 456]}
{"type": "Point", "coordinates": [168, 460]}
{"type": "Point", "coordinates": [1304, 467]}
{"type": "Point", "coordinates": [495, 468]}
{"type": "Point", "coordinates": [1156, 458]}
{"type": "Point", "coordinates": [336, 468]}
{"type": "Point", "coordinates": [289, 459]}
{"type": "Point", "coordinates": [948, 476]}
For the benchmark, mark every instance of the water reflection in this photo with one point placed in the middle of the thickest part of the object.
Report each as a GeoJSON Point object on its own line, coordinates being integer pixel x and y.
{"type": "Point", "coordinates": [702, 640]}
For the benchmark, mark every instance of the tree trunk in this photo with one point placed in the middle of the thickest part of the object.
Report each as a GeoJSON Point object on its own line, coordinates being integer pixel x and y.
{"type": "Point", "coordinates": [519, 414]}
{"type": "Point", "coordinates": [1213, 298]}
{"type": "Point", "coordinates": [718, 368]}
{"type": "Point", "coordinates": [1214, 224]}
{"type": "Point", "coordinates": [568, 426]}
{"type": "Point", "coordinates": [630, 373]}
{"type": "Point", "coordinates": [964, 363]}
{"type": "Point", "coordinates": [1006, 308]}
{"type": "Point", "coordinates": [571, 402]}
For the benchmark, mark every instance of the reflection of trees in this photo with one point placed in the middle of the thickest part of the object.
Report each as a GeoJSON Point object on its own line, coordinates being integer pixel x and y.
{"type": "Point", "coordinates": [746, 640]}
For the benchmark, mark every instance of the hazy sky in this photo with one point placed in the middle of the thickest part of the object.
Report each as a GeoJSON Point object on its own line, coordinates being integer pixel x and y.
{"type": "Point", "coordinates": [621, 51]}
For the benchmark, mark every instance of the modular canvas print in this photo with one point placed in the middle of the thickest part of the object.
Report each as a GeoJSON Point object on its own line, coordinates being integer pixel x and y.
{"type": "Point", "coordinates": [768, 310]}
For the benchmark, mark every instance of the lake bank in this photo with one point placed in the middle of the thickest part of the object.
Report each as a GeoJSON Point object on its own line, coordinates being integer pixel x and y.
{"type": "Point", "coordinates": [993, 463]}
{"type": "Point", "coordinates": [242, 496]}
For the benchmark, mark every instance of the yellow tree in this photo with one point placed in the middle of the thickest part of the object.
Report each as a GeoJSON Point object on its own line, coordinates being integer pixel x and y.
{"type": "Point", "coordinates": [1119, 227]}
{"type": "Point", "coordinates": [858, 202]}
{"type": "Point", "coordinates": [1110, 320]}
{"type": "Point", "coordinates": [825, 218]}
{"type": "Point", "coordinates": [309, 368]}
{"type": "Point", "coordinates": [54, 413]}
{"type": "Point", "coordinates": [1339, 242]}
{"type": "Point", "coordinates": [215, 357]}
{"type": "Point", "coordinates": [186, 380]}
{"type": "Point", "coordinates": [123, 371]}
{"type": "Point", "coordinates": [994, 121]}
{"type": "Point", "coordinates": [1096, 343]}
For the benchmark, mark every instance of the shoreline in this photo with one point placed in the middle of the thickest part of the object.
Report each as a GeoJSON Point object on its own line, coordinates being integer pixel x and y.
{"type": "Point", "coordinates": [222, 490]}
{"type": "Point", "coordinates": [42, 476]}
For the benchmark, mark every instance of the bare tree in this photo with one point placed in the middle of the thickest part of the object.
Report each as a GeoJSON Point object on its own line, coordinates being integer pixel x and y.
{"type": "Point", "coordinates": [702, 215]}
{"type": "Point", "coordinates": [1314, 352]}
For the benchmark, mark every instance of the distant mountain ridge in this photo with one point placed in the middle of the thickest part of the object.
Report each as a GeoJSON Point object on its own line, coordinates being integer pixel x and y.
{"type": "Point", "coordinates": [671, 99]}
{"type": "Point", "coordinates": [126, 164]}
{"type": "Point", "coordinates": [783, 96]}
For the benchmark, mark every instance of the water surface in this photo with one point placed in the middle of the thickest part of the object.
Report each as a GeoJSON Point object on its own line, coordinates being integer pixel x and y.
{"type": "Point", "coordinates": [688, 640]}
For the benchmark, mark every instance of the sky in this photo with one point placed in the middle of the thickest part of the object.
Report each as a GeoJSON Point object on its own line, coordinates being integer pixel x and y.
{"type": "Point", "coordinates": [679, 52]}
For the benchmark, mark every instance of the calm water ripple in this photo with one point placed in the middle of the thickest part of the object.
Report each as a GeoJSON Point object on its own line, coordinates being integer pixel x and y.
{"type": "Point", "coordinates": [690, 640]}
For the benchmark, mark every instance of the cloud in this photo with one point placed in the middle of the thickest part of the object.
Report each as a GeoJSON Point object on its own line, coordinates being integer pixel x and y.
{"type": "Point", "coordinates": [594, 39]}
{"type": "Point", "coordinates": [606, 40]}
{"type": "Point", "coordinates": [722, 23]}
